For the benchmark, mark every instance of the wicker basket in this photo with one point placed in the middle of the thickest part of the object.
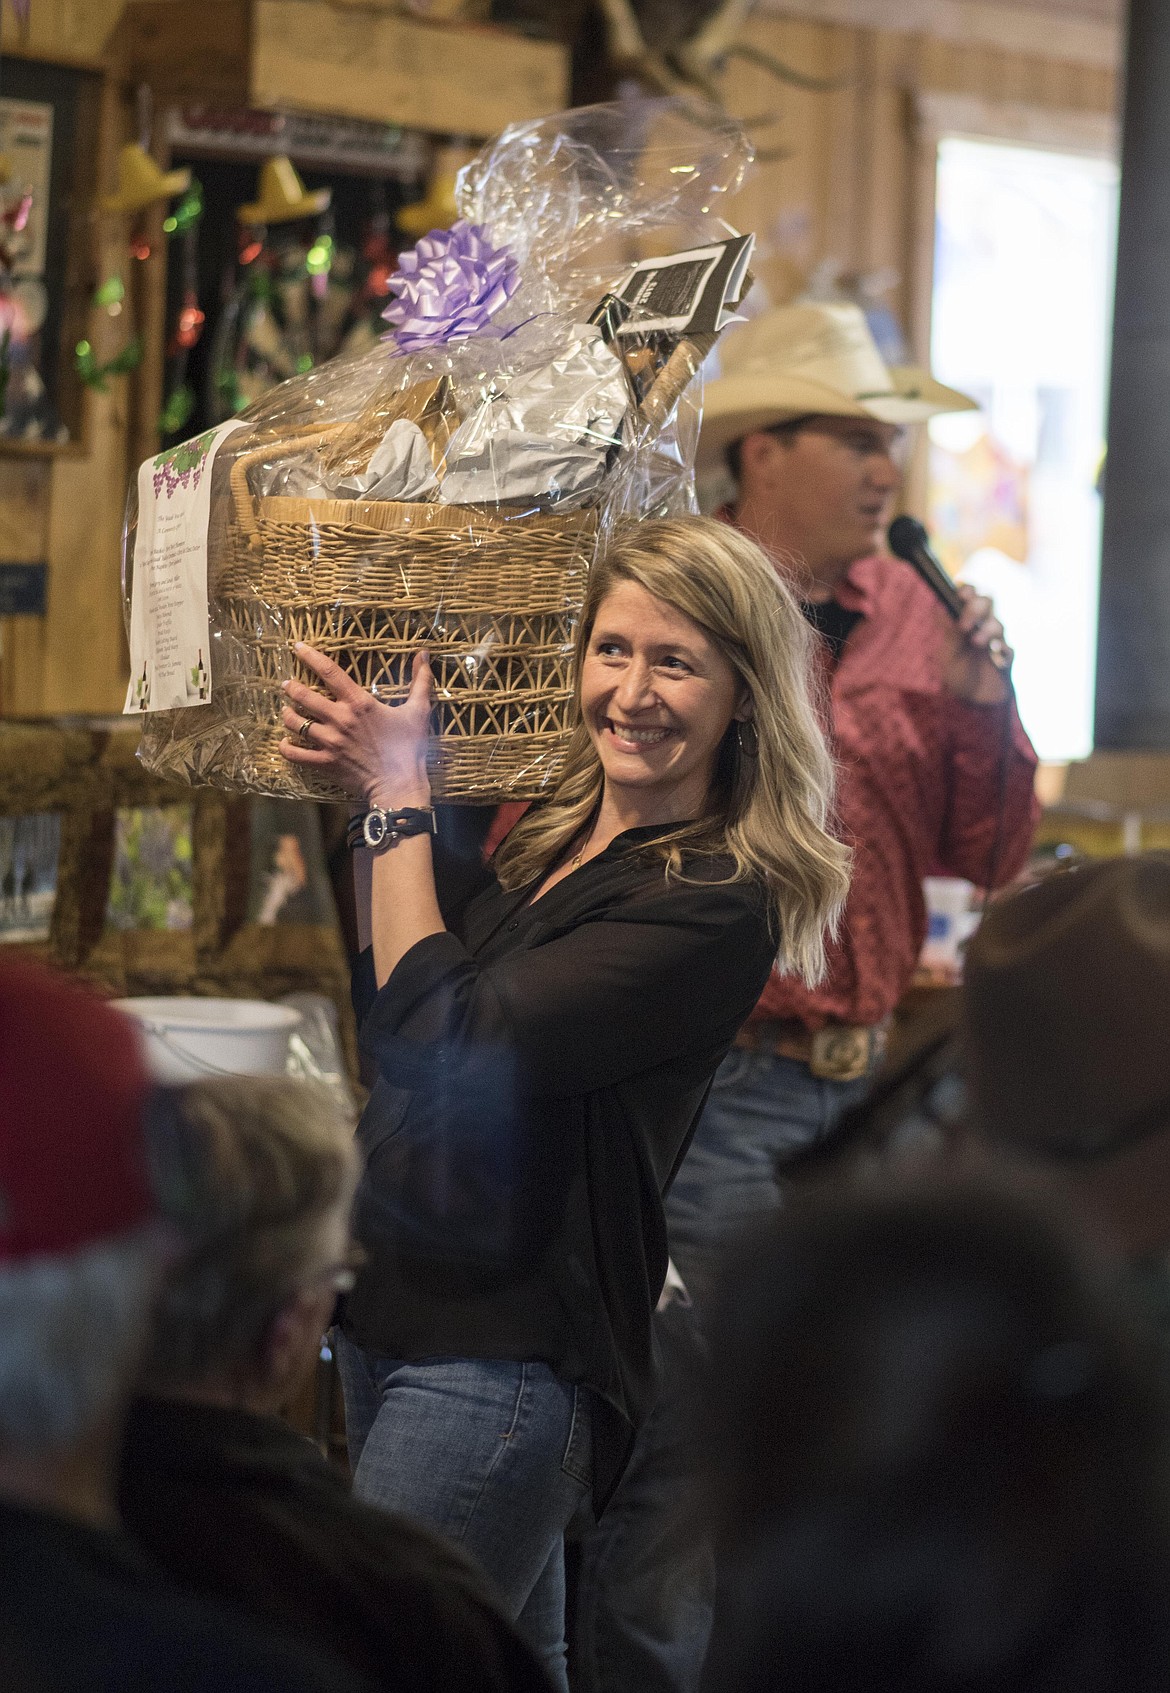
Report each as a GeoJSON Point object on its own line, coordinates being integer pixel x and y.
{"type": "Point", "coordinates": [494, 599]}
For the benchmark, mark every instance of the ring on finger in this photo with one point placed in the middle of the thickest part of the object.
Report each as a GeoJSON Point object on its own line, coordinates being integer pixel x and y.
{"type": "Point", "coordinates": [305, 732]}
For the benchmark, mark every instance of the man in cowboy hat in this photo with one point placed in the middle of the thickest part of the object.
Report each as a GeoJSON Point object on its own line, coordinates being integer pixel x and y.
{"type": "Point", "coordinates": [935, 775]}
{"type": "Point", "coordinates": [934, 769]}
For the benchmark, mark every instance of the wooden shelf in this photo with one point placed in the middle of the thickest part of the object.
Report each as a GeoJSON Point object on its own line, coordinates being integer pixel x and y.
{"type": "Point", "coordinates": [314, 56]}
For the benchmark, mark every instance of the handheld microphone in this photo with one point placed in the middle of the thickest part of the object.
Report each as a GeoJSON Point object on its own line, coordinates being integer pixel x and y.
{"type": "Point", "coordinates": [909, 540]}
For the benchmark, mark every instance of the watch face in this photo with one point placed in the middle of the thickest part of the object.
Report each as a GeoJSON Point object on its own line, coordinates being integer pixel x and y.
{"type": "Point", "coordinates": [374, 828]}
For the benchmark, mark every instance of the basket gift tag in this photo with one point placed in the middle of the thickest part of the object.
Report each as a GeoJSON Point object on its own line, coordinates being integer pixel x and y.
{"type": "Point", "coordinates": [170, 646]}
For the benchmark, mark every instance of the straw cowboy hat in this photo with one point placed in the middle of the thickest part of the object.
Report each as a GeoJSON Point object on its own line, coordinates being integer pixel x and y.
{"type": "Point", "coordinates": [142, 181]}
{"type": "Point", "coordinates": [437, 208]}
{"type": "Point", "coordinates": [282, 196]}
{"type": "Point", "coordinates": [1065, 1002]}
{"type": "Point", "coordinates": [812, 358]}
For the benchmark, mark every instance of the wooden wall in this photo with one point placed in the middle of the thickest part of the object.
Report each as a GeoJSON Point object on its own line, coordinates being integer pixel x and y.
{"type": "Point", "coordinates": [66, 508]}
{"type": "Point", "coordinates": [850, 188]}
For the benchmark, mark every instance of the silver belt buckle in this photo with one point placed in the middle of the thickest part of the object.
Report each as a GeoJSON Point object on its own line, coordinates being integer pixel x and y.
{"type": "Point", "coordinates": [841, 1052]}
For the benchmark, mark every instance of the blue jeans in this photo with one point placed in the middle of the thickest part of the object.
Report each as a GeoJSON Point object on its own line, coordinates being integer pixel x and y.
{"type": "Point", "coordinates": [493, 1454]}
{"type": "Point", "coordinates": [761, 1111]}
{"type": "Point", "coordinates": [646, 1582]}
{"type": "Point", "coordinates": [647, 1585]}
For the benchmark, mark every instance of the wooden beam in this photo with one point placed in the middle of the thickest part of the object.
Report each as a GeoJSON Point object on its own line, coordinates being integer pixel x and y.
{"type": "Point", "coordinates": [24, 499]}
{"type": "Point", "coordinates": [1043, 30]}
{"type": "Point", "coordinates": [196, 52]}
{"type": "Point", "coordinates": [452, 79]}
{"type": "Point", "coordinates": [62, 32]}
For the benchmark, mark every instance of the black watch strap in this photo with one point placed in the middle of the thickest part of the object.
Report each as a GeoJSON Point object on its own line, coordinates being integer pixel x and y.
{"type": "Point", "coordinates": [377, 829]}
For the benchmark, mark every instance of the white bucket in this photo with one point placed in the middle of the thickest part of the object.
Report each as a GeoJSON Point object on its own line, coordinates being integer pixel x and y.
{"type": "Point", "coordinates": [187, 1039]}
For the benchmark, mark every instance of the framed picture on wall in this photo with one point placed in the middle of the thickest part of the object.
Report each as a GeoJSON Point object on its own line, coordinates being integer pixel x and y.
{"type": "Point", "coordinates": [289, 880]}
{"type": "Point", "coordinates": [152, 877]}
{"type": "Point", "coordinates": [30, 849]}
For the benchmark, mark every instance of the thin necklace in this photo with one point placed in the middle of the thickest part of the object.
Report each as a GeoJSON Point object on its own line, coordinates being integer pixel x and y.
{"type": "Point", "coordinates": [576, 860]}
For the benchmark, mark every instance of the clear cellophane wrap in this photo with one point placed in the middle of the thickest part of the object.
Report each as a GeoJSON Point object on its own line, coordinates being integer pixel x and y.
{"type": "Point", "coordinates": [517, 448]}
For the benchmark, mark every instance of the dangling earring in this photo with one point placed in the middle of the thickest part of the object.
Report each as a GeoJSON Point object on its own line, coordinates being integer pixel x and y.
{"type": "Point", "coordinates": [747, 739]}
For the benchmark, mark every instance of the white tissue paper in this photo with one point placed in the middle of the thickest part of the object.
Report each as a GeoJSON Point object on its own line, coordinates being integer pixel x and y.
{"type": "Point", "coordinates": [547, 436]}
{"type": "Point", "coordinates": [400, 468]}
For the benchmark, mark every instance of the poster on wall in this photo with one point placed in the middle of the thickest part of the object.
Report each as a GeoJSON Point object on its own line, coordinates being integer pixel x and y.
{"type": "Point", "coordinates": [26, 145]}
{"type": "Point", "coordinates": [26, 148]}
{"type": "Point", "coordinates": [48, 115]}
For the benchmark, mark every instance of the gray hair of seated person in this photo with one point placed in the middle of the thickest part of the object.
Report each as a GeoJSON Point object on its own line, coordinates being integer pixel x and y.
{"type": "Point", "coordinates": [73, 1328]}
{"type": "Point", "coordinates": [247, 1169]}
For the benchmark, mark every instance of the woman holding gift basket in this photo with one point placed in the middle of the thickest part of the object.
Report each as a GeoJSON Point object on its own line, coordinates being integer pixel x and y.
{"type": "Point", "coordinates": [543, 1050]}
{"type": "Point", "coordinates": [542, 1046]}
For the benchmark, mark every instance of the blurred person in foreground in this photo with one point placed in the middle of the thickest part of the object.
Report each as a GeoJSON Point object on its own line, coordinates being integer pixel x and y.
{"type": "Point", "coordinates": [260, 1177]}
{"type": "Point", "coordinates": [81, 1254]}
{"type": "Point", "coordinates": [934, 777]}
{"type": "Point", "coordinates": [937, 1458]}
{"type": "Point", "coordinates": [1051, 1060]}
{"type": "Point", "coordinates": [1063, 1035]}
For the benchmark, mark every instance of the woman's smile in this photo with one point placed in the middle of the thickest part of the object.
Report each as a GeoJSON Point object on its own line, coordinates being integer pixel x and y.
{"type": "Point", "coordinates": [627, 737]}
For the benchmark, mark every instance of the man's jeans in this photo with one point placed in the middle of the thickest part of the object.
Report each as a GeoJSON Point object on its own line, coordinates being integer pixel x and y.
{"type": "Point", "coordinates": [647, 1588]}
{"type": "Point", "coordinates": [761, 1111]}
{"type": "Point", "coordinates": [493, 1454]}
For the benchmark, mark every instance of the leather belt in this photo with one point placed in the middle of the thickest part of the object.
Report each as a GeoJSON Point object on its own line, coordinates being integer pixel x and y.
{"type": "Point", "coordinates": [840, 1052]}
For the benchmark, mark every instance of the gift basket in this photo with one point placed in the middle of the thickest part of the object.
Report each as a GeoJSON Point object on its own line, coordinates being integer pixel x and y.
{"type": "Point", "coordinates": [449, 489]}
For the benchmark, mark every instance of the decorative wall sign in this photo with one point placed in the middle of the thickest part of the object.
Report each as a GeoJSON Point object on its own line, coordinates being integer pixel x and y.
{"type": "Point", "coordinates": [317, 142]}
{"type": "Point", "coordinates": [22, 589]}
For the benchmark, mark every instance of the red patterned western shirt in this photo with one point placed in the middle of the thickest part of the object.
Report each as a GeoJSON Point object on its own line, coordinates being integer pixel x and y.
{"type": "Point", "coordinates": [918, 793]}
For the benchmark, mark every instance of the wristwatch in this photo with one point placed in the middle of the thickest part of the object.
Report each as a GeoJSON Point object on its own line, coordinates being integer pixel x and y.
{"type": "Point", "coordinates": [379, 829]}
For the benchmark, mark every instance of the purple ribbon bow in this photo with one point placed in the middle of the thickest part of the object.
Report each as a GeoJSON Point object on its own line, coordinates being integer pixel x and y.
{"type": "Point", "coordinates": [449, 285]}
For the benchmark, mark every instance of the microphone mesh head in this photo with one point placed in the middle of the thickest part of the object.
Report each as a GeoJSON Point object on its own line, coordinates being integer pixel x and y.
{"type": "Point", "coordinates": [906, 536]}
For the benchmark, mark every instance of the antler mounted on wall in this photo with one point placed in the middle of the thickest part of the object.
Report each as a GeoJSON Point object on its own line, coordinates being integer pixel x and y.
{"type": "Point", "coordinates": [693, 41]}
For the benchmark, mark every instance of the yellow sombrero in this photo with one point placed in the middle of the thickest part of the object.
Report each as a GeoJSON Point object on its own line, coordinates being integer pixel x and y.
{"type": "Point", "coordinates": [282, 196]}
{"type": "Point", "coordinates": [142, 181]}
{"type": "Point", "coordinates": [437, 211]}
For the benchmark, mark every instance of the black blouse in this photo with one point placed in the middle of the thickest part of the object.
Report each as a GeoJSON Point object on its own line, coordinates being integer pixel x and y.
{"type": "Point", "coordinates": [540, 1069]}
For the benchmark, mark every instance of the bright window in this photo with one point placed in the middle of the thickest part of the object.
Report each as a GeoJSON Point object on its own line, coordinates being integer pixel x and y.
{"type": "Point", "coordinates": [1022, 306]}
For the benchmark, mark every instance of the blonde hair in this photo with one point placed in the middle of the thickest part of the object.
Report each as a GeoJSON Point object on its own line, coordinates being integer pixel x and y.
{"type": "Point", "coordinates": [769, 808]}
{"type": "Point", "coordinates": [248, 1169]}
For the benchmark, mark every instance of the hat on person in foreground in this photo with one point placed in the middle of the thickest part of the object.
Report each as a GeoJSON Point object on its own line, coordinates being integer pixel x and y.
{"type": "Point", "coordinates": [813, 358]}
{"type": "Point", "coordinates": [281, 195]}
{"type": "Point", "coordinates": [1066, 999]}
{"type": "Point", "coordinates": [73, 1088]}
